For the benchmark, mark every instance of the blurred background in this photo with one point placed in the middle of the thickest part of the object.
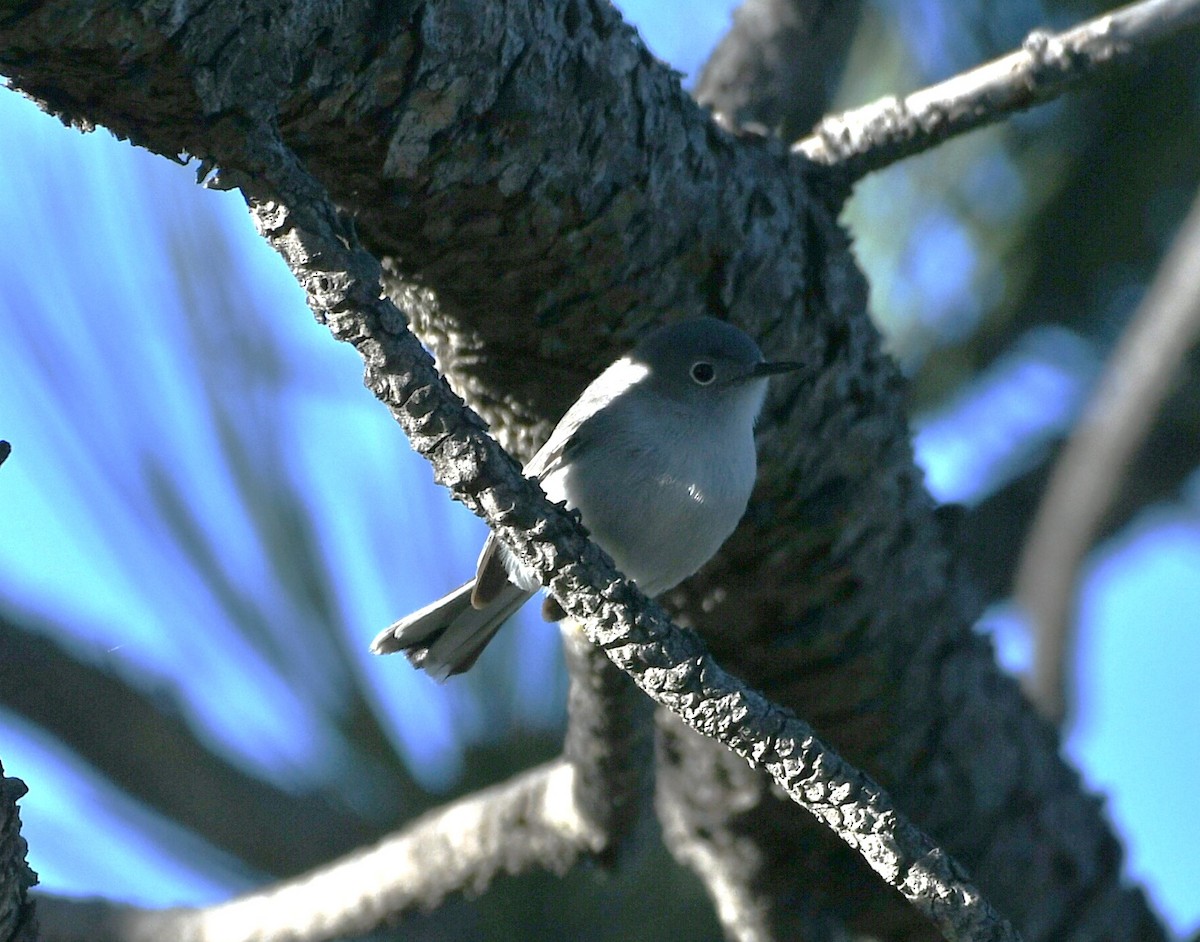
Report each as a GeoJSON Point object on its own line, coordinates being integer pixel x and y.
{"type": "Point", "coordinates": [205, 518]}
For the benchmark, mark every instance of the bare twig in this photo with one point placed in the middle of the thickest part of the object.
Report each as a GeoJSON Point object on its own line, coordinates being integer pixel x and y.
{"type": "Point", "coordinates": [342, 283]}
{"type": "Point", "coordinates": [874, 136]}
{"type": "Point", "coordinates": [527, 823]}
{"type": "Point", "coordinates": [1089, 472]}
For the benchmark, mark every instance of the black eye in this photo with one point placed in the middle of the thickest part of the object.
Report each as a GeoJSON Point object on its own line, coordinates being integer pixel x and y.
{"type": "Point", "coordinates": [703, 372]}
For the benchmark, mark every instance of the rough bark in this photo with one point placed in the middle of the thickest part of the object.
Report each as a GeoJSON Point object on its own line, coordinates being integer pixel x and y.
{"type": "Point", "coordinates": [776, 69]}
{"type": "Point", "coordinates": [888, 130]}
{"type": "Point", "coordinates": [539, 189]}
{"type": "Point", "coordinates": [17, 920]}
{"type": "Point", "coordinates": [510, 828]}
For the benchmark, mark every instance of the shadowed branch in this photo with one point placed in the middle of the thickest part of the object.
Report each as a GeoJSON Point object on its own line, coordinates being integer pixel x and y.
{"type": "Point", "coordinates": [672, 667]}
{"type": "Point", "coordinates": [1088, 474]}
{"type": "Point", "coordinates": [869, 138]}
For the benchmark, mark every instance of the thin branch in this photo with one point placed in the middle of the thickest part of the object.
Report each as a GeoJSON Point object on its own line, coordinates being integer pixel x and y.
{"type": "Point", "coordinates": [524, 824]}
{"type": "Point", "coordinates": [1085, 481]}
{"type": "Point", "coordinates": [342, 283]}
{"type": "Point", "coordinates": [874, 136]}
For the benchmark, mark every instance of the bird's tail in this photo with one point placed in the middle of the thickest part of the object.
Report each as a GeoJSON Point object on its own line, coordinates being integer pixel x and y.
{"type": "Point", "coordinates": [446, 636]}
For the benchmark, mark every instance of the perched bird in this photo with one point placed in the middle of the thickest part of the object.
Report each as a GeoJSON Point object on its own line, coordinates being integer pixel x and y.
{"type": "Point", "coordinates": [657, 456]}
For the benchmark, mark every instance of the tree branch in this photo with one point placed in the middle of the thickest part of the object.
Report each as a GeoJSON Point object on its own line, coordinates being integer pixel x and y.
{"type": "Point", "coordinates": [673, 668]}
{"type": "Point", "coordinates": [1088, 474]}
{"type": "Point", "coordinates": [18, 922]}
{"type": "Point", "coordinates": [872, 137]}
{"type": "Point", "coordinates": [776, 68]}
{"type": "Point", "coordinates": [156, 758]}
{"type": "Point", "coordinates": [607, 743]}
{"type": "Point", "coordinates": [527, 823]}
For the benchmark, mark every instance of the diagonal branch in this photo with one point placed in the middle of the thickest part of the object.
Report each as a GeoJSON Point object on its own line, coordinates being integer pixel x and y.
{"type": "Point", "coordinates": [526, 823]}
{"type": "Point", "coordinates": [1089, 472]}
{"type": "Point", "coordinates": [872, 137]}
{"type": "Point", "coordinates": [342, 283]}
{"type": "Point", "coordinates": [155, 757]}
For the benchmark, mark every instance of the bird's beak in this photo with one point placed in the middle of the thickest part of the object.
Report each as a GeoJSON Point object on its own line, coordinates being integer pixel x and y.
{"type": "Point", "coordinates": [765, 369]}
{"type": "Point", "coordinates": [770, 369]}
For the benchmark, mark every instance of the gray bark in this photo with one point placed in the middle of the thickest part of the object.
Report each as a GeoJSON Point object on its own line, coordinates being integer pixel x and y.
{"type": "Point", "coordinates": [539, 189]}
{"type": "Point", "coordinates": [778, 66]}
{"type": "Point", "coordinates": [17, 920]}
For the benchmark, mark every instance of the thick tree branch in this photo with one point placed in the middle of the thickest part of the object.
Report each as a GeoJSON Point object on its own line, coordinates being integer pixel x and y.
{"type": "Point", "coordinates": [1088, 474]}
{"type": "Point", "coordinates": [529, 822]}
{"type": "Point", "coordinates": [869, 138]}
{"type": "Point", "coordinates": [777, 67]}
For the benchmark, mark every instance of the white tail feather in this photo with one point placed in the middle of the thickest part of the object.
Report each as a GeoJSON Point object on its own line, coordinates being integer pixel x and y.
{"type": "Point", "coordinates": [446, 636]}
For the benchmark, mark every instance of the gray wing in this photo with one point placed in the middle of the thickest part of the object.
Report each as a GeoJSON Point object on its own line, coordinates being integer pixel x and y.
{"type": "Point", "coordinates": [575, 433]}
{"type": "Point", "coordinates": [491, 575]}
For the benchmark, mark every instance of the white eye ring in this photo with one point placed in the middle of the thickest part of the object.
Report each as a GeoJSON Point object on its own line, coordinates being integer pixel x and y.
{"type": "Point", "coordinates": [703, 372]}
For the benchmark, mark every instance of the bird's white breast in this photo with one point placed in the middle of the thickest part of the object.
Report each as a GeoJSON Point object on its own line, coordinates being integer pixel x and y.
{"type": "Point", "coordinates": [667, 488]}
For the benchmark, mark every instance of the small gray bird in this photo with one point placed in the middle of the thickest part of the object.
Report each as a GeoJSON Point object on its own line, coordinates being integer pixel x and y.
{"type": "Point", "coordinates": [657, 455]}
